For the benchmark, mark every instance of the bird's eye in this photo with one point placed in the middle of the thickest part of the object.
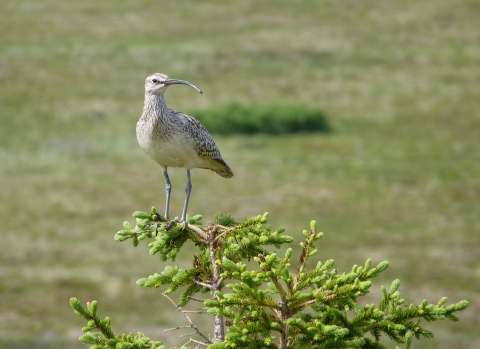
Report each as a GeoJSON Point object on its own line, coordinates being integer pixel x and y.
{"type": "Point", "coordinates": [155, 81]}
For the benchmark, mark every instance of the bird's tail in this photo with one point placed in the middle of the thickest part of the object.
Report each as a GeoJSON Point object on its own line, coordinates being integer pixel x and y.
{"type": "Point", "coordinates": [222, 169]}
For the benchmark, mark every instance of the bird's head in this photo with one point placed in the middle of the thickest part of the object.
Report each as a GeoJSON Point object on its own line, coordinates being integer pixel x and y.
{"type": "Point", "coordinates": [157, 83]}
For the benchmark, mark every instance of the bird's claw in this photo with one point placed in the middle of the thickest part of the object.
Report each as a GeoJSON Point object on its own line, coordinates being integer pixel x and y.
{"type": "Point", "coordinates": [158, 225]}
{"type": "Point", "coordinates": [173, 221]}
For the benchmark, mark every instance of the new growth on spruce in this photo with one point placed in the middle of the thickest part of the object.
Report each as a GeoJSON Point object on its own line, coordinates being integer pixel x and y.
{"type": "Point", "coordinates": [276, 302]}
{"type": "Point", "coordinates": [104, 338]}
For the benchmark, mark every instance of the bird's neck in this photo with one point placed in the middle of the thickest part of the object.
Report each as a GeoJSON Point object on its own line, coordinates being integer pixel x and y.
{"type": "Point", "coordinates": [155, 107]}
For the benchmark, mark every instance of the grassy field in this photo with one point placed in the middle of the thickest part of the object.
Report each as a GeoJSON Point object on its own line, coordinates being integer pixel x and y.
{"type": "Point", "coordinates": [397, 179]}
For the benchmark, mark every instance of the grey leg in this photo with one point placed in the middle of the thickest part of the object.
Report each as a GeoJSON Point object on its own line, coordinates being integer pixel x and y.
{"type": "Point", "coordinates": [168, 189]}
{"type": "Point", "coordinates": [188, 189]}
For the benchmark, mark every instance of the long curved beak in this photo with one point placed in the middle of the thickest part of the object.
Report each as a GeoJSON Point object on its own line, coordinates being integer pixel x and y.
{"type": "Point", "coordinates": [183, 82]}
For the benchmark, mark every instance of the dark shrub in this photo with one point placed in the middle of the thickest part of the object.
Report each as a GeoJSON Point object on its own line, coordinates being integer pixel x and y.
{"type": "Point", "coordinates": [274, 119]}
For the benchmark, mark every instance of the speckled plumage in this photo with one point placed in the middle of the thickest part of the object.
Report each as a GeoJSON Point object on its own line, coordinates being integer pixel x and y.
{"type": "Point", "coordinates": [174, 139]}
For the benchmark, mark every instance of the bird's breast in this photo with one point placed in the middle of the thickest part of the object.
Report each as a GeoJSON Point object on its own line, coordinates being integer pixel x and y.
{"type": "Point", "coordinates": [171, 150]}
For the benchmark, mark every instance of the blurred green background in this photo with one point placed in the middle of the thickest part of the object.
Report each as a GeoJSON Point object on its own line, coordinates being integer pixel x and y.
{"type": "Point", "coordinates": [397, 178]}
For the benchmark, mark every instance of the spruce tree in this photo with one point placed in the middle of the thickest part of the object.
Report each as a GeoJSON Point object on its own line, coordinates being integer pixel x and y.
{"type": "Point", "coordinates": [276, 302]}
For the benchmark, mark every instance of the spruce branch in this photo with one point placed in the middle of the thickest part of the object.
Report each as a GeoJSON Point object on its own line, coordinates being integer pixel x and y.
{"type": "Point", "coordinates": [203, 284]}
{"type": "Point", "coordinates": [190, 323]}
{"type": "Point", "coordinates": [283, 311]}
{"type": "Point", "coordinates": [196, 299]}
{"type": "Point", "coordinates": [105, 339]}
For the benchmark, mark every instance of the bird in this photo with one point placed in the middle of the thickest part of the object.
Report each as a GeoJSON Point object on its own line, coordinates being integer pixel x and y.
{"type": "Point", "coordinates": [174, 139]}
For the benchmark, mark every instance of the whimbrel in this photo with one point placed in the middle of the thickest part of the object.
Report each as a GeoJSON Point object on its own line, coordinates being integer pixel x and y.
{"type": "Point", "coordinates": [174, 139]}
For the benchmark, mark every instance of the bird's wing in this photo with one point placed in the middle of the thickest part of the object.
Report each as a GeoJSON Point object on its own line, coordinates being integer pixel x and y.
{"type": "Point", "coordinates": [202, 140]}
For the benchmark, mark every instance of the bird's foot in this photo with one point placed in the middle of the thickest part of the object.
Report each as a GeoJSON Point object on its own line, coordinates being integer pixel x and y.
{"type": "Point", "coordinates": [173, 221]}
{"type": "Point", "coordinates": [158, 225]}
